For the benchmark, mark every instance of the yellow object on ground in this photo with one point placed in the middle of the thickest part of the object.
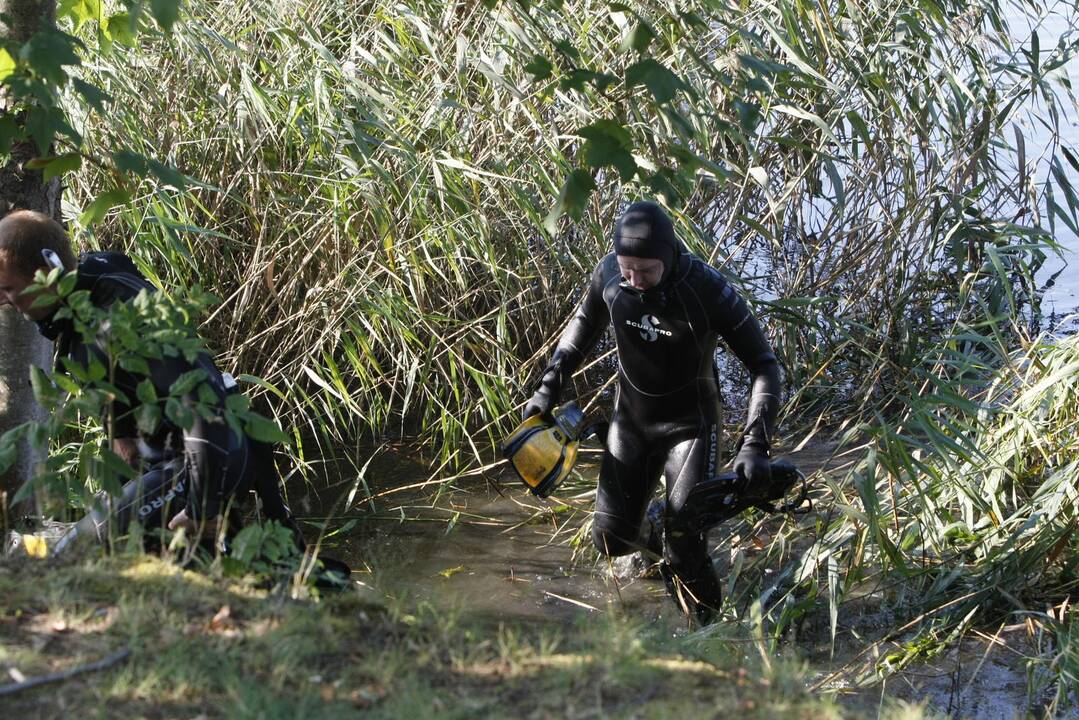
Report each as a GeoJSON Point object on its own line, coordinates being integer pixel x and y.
{"type": "Point", "coordinates": [35, 546]}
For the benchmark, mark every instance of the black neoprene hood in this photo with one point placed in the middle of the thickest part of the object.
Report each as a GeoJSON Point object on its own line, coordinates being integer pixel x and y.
{"type": "Point", "coordinates": [645, 231]}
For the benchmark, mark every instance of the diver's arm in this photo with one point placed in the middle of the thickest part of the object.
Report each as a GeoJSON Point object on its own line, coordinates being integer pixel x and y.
{"type": "Point", "coordinates": [734, 321]}
{"type": "Point", "coordinates": [763, 405]}
{"type": "Point", "coordinates": [580, 336]}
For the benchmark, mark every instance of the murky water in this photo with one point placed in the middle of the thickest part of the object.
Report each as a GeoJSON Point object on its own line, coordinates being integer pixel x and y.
{"type": "Point", "coordinates": [506, 557]}
{"type": "Point", "coordinates": [488, 556]}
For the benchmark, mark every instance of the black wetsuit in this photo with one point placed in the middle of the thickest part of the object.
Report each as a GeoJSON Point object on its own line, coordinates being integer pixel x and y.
{"type": "Point", "coordinates": [666, 415]}
{"type": "Point", "coordinates": [200, 468]}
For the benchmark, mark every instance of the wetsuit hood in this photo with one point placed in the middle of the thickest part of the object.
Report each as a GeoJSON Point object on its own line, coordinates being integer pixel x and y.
{"type": "Point", "coordinates": [646, 231]}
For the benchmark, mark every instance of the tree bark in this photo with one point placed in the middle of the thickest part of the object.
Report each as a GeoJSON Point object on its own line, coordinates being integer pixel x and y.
{"type": "Point", "coordinates": [22, 345]}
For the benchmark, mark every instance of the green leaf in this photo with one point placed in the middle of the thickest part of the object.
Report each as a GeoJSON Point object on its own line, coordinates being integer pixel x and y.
{"type": "Point", "coordinates": [42, 124]}
{"type": "Point", "coordinates": [166, 12]}
{"type": "Point", "coordinates": [148, 418]}
{"type": "Point", "coordinates": [577, 78]}
{"type": "Point", "coordinates": [44, 390]}
{"type": "Point", "coordinates": [9, 131]}
{"type": "Point", "coordinates": [66, 384]}
{"type": "Point", "coordinates": [238, 403]}
{"type": "Point", "coordinates": [80, 11]}
{"type": "Point", "coordinates": [540, 68]}
{"type": "Point", "coordinates": [262, 429]}
{"type": "Point", "coordinates": [8, 455]}
{"type": "Point", "coordinates": [572, 199]}
{"type": "Point", "coordinates": [180, 415]}
{"type": "Point", "coordinates": [693, 20]}
{"type": "Point", "coordinates": [167, 174]}
{"type": "Point", "coordinates": [207, 395]}
{"type": "Point", "coordinates": [130, 162]}
{"type": "Point", "coordinates": [133, 162]}
{"type": "Point", "coordinates": [56, 166]}
{"type": "Point", "coordinates": [47, 52]}
{"type": "Point", "coordinates": [837, 185]}
{"type": "Point", "coordinates": [264, 384]}
{"type": "Point", "coordinates": [187, 382]}
{"type": "Point", "coordinates": [134, 364]}
{"type": "Point", "coordinates": [102, 204]}
{"type": "Point", "coordinates": [660, 81]}
{"type": "Point", "coordinates": [609, 143]}
{"type": "Point", "coordinates": [94, 96]}
{"type": "Point", "coordinates": [566, 48]}
{"type": "Point", "coordinates": [121, 28]}
{"type": "Point", "coordinates": [8, 65]}
{"type": "Point", "coordinates": [67, 284]}
{"type": "Point", "coordinates": [761, 67]}
{"type": "Point", "coordinates": [96, 370]}
{"type": "Point", "coordinates": [145, 392]}
{"type": "Point", "coordinates": [638, 38]}
{"type": "Point", "coordinates": [664, 187]}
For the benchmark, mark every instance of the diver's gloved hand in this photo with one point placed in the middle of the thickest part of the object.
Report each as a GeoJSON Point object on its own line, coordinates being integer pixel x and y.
{"type": "Point", "coordinates": [752, 464]}
{"type": "Point", "coordinates": [546, 396]}
{"type": "Point", "coordinates": [541, 403]}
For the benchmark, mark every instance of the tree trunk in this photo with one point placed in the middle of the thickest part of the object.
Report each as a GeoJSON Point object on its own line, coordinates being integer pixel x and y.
{"type": "Point", "coordinates": [22, 345]}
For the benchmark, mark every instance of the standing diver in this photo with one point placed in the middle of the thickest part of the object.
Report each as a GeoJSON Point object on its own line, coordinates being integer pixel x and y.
{"type": "Point", "coordinates": [190, 475]}
{"type": "Point", "coordinates": [668, 309]}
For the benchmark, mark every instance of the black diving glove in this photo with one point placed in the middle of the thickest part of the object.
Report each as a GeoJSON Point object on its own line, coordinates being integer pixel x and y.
{"type": "Point", "coordinates": [752, 464]}
{"type": "Point", "coordinates": [541, 403]}
{"type": "Point", "coordinates": [544, 399]}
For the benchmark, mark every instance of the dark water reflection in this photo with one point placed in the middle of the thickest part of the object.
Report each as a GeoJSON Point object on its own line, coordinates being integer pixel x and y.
{"type": "Point", "coordinates": [488, 556]}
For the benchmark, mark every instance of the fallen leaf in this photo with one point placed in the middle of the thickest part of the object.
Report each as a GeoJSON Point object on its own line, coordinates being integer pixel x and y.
{"type": "Point", "coordinates": [222, 619]}
{"type": "Point", "coordinates": [367, 696]}
{"type": "Point", "coordinates": [450, 572]}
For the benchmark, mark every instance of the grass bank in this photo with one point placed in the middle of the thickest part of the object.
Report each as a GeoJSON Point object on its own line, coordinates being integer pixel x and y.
{"type": "Point", "coordinates": [210, 647]}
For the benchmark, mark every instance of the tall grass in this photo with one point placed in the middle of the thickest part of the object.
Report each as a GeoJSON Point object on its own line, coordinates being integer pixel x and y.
{"type": "Point", "coordinates": [366, 186]}
{"type": "Point", "coordinates": [966, 505]}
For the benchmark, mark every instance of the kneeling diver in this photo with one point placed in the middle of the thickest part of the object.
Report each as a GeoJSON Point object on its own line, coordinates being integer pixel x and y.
{"type": "Point", "coordinates": [191, 475]}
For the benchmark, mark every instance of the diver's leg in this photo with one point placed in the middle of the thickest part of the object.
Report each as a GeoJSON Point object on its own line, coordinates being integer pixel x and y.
{"type": "Point", "coordinates": [627, 478]}
{"type": "Point", "coordinates": [150, 499]}
{"type": "Point", "coordinates": [217, 460]}
{"type": "Point", "coordinates": [265, 480]}
{"type": "Point", "coordinates": [695, 584]}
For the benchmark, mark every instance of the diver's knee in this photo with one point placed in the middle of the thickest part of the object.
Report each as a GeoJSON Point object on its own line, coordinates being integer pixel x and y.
{"type": "Point", "coordinates": [611, 543]}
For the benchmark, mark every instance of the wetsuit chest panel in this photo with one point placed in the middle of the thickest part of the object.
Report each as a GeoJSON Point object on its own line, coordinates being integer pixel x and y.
{"type": "Point", "coordinates": [660, 350]}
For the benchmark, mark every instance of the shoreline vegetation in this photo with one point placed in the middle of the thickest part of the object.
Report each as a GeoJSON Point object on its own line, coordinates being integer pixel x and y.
{"type": "Point", "coordinates": [396, 204]}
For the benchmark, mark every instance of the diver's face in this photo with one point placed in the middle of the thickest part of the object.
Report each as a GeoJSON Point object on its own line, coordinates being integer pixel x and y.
{"type": "Point", "coordinates": [641, 273]}
{"type": "Point", "coordinates": [12, 287]}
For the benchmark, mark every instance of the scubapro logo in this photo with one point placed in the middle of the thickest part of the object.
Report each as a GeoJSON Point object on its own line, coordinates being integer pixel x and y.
{"type": "Point", "coordinates": [160, 502]}
{"type": "Point", "coordinates": [648, 328]}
